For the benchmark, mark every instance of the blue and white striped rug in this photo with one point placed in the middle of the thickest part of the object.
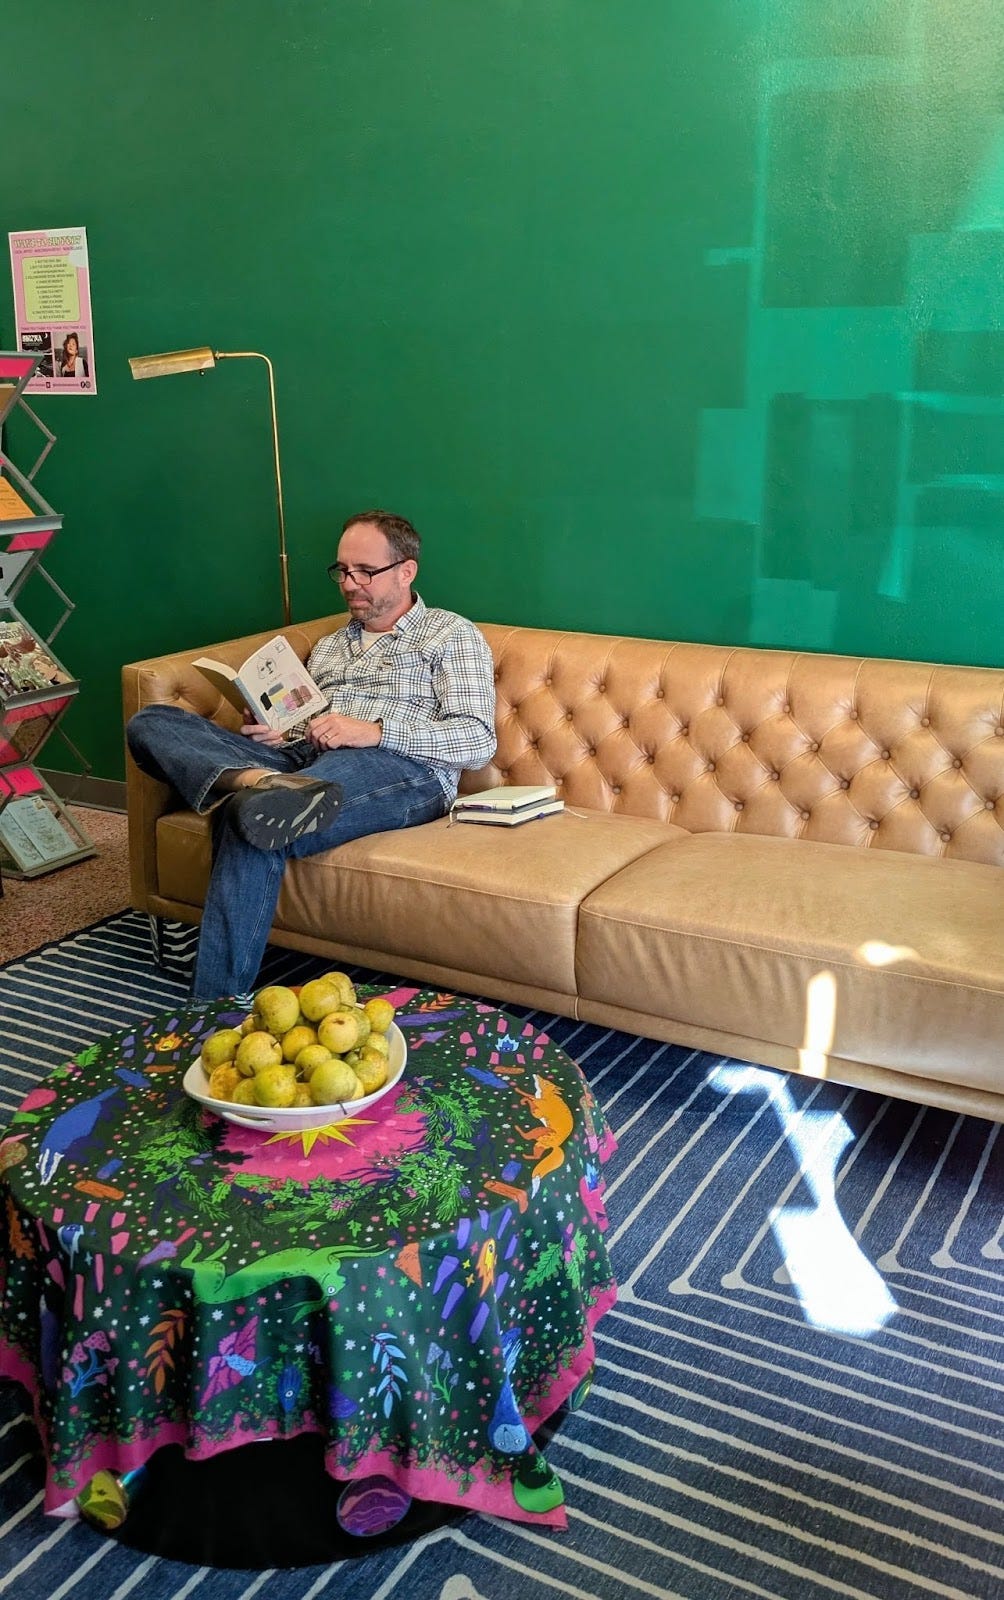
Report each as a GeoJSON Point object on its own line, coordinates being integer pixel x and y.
{"type": "Point", "coordinates": [799, 1392]}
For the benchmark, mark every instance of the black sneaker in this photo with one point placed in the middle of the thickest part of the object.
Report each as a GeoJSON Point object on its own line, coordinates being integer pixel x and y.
{"type": "Point", "coordinates": [281, 807]}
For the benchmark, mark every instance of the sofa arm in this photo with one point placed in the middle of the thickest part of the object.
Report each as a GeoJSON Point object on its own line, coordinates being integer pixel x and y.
{"type": "Point", "coordinates": [172, 680]}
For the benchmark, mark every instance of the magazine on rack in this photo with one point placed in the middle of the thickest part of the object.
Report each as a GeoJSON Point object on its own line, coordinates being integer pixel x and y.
{"type": "Point", "coordinates": [273, 684]}
{"type": "Point", "coordinates": [28, 670]}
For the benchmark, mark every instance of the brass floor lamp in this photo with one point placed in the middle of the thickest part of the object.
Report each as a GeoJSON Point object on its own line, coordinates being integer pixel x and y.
{"type": "Point", "coordinates": [202, 359]}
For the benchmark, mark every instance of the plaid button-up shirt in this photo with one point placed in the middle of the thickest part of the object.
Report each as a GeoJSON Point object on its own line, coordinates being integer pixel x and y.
{"type": "Point", "coordinates": [430, 680]}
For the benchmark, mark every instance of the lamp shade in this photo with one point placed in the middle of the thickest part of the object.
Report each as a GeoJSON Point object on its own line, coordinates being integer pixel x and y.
{"type": "Point", "coordinates": [198, 360]}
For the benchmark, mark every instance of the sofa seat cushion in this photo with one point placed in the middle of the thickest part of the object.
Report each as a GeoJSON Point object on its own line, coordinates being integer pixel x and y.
{"type": "Point", "coordinates": [503, 901]}
{"type": "Point", "coordinates": [870, 955]}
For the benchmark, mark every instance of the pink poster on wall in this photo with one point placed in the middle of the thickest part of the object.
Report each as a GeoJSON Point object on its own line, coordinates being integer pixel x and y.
{"type": "Point", "coordinates": [52, 308]}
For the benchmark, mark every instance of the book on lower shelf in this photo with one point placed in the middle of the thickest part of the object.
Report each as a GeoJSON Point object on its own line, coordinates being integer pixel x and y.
{"type": "Point", "coordinates": [32, 836]}
{"type": "Point", "coordinates": [273, 684]}
{"type": "Point", "coordinates": [508, 805]}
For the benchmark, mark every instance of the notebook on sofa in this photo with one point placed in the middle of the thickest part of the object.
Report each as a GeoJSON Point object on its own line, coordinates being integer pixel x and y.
{"type": "Point", "coordinates": [508, 805]}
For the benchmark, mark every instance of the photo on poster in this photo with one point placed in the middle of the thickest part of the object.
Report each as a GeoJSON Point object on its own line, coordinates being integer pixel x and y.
{"type": "Point", "coordinates": [38, 342]}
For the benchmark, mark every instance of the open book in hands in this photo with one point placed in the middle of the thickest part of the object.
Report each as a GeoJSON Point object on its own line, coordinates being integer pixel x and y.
{"type": "Point", "coordinates": [273, 684]}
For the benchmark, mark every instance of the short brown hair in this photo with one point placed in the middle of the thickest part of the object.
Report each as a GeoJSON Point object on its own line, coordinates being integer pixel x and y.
{"type": "Point", "coordinates": [404, 540]}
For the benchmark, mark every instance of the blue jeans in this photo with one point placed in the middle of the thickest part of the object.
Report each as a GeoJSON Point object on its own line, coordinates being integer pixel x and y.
{"type": "Point", "coordinates": [380, 791]}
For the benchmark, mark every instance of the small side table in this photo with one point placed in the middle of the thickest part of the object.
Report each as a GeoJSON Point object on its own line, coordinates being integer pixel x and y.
{"type": "Point", "coordinates": [417, 1287]}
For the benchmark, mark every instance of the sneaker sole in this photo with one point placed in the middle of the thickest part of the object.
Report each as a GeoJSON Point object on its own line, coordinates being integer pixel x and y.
{"type": "Point", "coordinates": [271, 819]}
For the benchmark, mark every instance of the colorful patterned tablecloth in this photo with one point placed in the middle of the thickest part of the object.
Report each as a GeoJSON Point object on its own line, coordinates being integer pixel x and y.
{"type": "Point", "coordinates": [419, 1284]}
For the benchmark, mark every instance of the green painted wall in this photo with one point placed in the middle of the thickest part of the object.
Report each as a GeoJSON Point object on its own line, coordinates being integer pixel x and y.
{"type": "Point", "coordinates": [681, 320]}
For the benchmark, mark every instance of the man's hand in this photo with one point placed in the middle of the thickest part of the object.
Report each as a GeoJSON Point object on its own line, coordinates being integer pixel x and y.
{"type": "Point", "coordinates": [258, 732]}
{"type": "Point", "coordinates": [332, 731]}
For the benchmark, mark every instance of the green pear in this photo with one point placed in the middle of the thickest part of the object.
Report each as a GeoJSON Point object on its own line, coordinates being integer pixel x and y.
{"type": "Point", "coordinates": [278, 1007]}
{"type": "Point", "coordinates": [320, 996]}
{"type": "Point", "coordinates": [332, 1081]}
{"type": "Point", "coordinates": [257, 1050]}
{"type": "Point", "coordinates": [275, 1085]}
{"type": "Point", "coordinates": [340, 1030]}
{"type": "Point", "coordinates": [220, 1047]}
{"type": "Point", "coordinates": [310, 1057]}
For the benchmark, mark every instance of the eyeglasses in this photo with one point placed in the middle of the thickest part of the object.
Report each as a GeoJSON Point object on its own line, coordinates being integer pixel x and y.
{"type": "Point", "coordinates": [338, 572]}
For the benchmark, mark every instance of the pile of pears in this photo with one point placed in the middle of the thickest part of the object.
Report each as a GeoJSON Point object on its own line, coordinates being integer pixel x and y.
{"type": "Point", "coordinates": [317, 1047]}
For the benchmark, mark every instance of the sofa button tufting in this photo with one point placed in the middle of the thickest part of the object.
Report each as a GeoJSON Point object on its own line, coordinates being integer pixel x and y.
{"type": "Point", "coordinates": [945, 838]}
{"type": "Point", "coordinates": [853, 716]}
{"type": "Point", "coordinates": [775, 777]}
{"type": "Point", "coordinates": [886, 755]}
{"type": "Point", "coordinates": [625, 722]}
{"type": "Point", "coordinates": [989, 805]}
{"type": "Point", "coordinates": [675, 799]}
{"type": "Point", "coordinates": [711, 766]}
{"type": "Point", "coordinates": [845, 783]}
{"type": "Point", "coordinates": [873, 826]}
{"type": "Point", "coordinates": [925, 722]}
{"type": "Point", "coordinates": [739, 805]}
{"type": "Point", "coordinates": [601, 688]}
{"type": "Point", "coordinates": [914, 794]}
{"type": "Point", "coordinates": [684, 731]}
{"type": "Point", "coordinates": [956, 763]}
{"type": "Point", "coordinates": [720, 701]}
{"type": "Point", "coordinates": [746, 738]}
{"type": "Point", "coordinates": [616, 788]}
{"type": "Point", "coordinates": [786, 708]}
{"type": "Point", "coordinates": [650, 760]}
{"type": "Point", "coordinates": [813, 748]}
{"type": "Point", "coordinates": [805, 816]}
{"type": "Point", "coordinates": [569, 716]}
{"type": "Point", "coordinates": [660, 694]}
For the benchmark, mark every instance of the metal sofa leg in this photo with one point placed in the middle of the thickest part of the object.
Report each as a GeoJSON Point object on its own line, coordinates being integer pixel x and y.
{"type": "Point", "coordinates": [173, 946]}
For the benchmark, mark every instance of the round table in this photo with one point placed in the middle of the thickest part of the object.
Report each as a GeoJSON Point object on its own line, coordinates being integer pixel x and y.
{"type": "Point", "coordinates": [415, 1289]}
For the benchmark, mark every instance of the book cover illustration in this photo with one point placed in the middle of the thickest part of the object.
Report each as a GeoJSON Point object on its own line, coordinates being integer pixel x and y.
{"type": "Point", "coordinates": [273, 684]}
{"type": "Point", "coordinates": [26, 667]}
{"type": "Point", "coordinates": [33, 834]}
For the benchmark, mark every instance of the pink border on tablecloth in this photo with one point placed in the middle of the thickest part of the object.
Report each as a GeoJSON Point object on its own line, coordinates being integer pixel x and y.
{"type": "Point", "coordinates": [423, 1483]}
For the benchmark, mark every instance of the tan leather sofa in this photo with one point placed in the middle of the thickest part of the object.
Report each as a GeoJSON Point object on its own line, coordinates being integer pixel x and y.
{"type": "Point", "coordinates": [793, 859]}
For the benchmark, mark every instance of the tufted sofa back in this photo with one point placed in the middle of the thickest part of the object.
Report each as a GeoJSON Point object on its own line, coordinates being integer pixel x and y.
{"type": "Point", "coordinates": [898, 754]}
{"type": "Point", "coordinates": [843, 749]}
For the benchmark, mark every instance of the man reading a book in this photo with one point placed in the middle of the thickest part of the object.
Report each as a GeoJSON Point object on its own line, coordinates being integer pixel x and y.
{"type": "Point", "coordinates": [411, 703]}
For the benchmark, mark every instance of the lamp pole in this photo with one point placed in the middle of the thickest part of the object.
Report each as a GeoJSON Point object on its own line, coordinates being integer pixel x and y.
{"type": "Point", "coordinates": [256, 355]}
{"type": "Point", "coordinates": [202, 359]}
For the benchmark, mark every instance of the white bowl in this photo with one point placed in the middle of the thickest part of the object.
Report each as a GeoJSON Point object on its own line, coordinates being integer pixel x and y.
{"type": "Point", "coordinates": [294, 1119]}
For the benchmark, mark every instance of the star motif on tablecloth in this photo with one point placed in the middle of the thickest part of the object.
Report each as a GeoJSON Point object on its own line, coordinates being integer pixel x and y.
{"type": "Point", "coordinates": [333, 1131]}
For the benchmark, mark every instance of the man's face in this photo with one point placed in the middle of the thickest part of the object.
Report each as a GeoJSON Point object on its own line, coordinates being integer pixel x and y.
{"type": "Point", "coordinates": [378, 604]}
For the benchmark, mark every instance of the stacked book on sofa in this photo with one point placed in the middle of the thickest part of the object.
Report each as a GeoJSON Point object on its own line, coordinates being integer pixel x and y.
{"type": "Point", "coordinates": [509, 805]}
